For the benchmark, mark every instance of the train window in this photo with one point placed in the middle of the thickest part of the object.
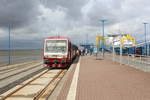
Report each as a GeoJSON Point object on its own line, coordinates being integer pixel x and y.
{"type": "Point", "coordinates": [56, 46]}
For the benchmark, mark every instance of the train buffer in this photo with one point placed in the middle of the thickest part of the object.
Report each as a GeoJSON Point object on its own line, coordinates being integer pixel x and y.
{"type": "Point", "coordinates": [91, 79]}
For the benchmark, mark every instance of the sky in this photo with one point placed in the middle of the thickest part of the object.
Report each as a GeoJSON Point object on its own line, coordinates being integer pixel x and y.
{"type": "Point", "coordinates": [80, 20]}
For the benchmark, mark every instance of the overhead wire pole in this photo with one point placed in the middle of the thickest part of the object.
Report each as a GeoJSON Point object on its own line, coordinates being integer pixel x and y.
{"type": "Point", "coordinates": [113, 48]}
{"type": "Point", "coordinates": [9, 45]}
{"type": "Point", "coordinates": [103, 22]}
{"type": "Point", "coordinates": [87, 39]}
{"type": "Point", "coordinates": [145, 38]}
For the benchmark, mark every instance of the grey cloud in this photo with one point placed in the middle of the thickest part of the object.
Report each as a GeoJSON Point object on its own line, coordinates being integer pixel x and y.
{"type": "Point", "coordinates": [73, 18]}
{"type": "Point", "coordinates": [71, 7]}
{"type": "Point", "coordinates": [107, 9]}
{"type": "Point", "coordinates": [18, 12]}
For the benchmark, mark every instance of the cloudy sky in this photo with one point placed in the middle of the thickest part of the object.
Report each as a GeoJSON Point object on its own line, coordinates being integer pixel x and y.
{"type": "Point", "coordinates": [32, 20]}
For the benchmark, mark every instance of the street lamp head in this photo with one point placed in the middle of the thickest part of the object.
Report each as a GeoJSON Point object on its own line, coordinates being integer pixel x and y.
{"type": "Point", "coordinates": [103, 20]}
{"type": "Point", "coordinates": [145, 23]}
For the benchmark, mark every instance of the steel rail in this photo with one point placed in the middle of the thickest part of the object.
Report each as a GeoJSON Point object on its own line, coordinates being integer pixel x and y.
{"type": "Point", "coordinates": [45, 92]}
{"type": "Point", "coordinates": [16, 68]}
{"type": "Point", "coordinates": [20, 72]}
{"type": "Point", "coordinates": [13, 66]}
{"type": "Point", "coordinates": [10, 94]}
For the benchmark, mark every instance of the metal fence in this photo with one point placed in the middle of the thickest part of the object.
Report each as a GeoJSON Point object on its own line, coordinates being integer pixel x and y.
{"type": "Point", "coordinates": [139, 61]}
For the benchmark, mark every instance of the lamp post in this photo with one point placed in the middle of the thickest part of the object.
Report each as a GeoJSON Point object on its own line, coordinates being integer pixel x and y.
{"type": "Point", "coordinates": [145, 37]}
{"type": "Point", "coordinates": [113, 43]}
{"type": "Point", "coordinates": [103, 22]}
{"type": "Point", "coordinates": [120, 48]}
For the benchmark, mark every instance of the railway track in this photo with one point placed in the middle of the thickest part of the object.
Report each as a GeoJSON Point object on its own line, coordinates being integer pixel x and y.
{"type": "Point", "coordinates": [46, 92]}
{"type": "Point", "coordinates": [18, 68]}
{"type": "Point", "coordinates": [15, 66]}
{"type": "Point", "coordinates": [12, 79]}
{"type": "Point", "coordinates": [24, 70]}
{"type": "Point", "coordinates": [37, 88]}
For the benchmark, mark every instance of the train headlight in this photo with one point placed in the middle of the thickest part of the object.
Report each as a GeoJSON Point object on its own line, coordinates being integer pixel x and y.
{"type": "Point", "coordinates": [63, 61]}
{"type": "Point", "coordinates": [55, 61]}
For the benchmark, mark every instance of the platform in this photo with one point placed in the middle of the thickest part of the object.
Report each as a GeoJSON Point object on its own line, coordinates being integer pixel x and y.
{"type": "Point", "coordinates": [92, 79]}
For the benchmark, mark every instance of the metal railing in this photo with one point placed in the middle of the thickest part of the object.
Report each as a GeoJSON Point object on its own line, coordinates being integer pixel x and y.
{"type": "Point", "coordinates": [137, 61]}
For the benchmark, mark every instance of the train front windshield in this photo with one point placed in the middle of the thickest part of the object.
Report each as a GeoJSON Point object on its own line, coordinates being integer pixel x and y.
{"type": "Point", "coordinates": [56, 46]}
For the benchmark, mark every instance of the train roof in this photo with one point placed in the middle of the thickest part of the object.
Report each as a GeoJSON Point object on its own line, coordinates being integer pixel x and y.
{"type": "Point", "coordinates": [58, 37]}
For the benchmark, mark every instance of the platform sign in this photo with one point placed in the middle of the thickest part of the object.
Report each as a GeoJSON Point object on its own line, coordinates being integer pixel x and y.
{"type": "Point", "coordinates": [127, 40]}
{"type": "Point", "coordinates": [98, 38]}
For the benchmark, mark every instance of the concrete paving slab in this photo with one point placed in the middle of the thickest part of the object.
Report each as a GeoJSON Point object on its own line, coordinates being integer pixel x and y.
{"type": "Point", "coordinates": [106, 80]}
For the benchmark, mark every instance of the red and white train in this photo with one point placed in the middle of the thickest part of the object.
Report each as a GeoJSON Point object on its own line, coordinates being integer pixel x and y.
{"type": "Point", "coordinates": [58, 52]}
